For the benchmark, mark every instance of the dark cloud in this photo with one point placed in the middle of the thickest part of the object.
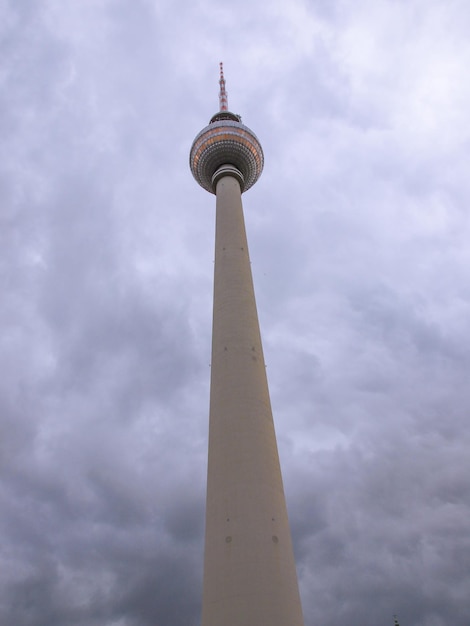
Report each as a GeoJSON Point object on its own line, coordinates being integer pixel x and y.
{"type": "Point", "coordinates": [358, 235]}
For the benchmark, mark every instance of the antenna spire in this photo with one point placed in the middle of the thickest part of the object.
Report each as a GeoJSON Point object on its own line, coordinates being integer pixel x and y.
{"type": "Point", "coordinates": [223, 100]}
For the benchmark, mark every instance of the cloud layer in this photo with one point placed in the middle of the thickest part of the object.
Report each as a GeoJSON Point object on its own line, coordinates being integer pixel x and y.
{"type": "Point", "coordinates": [358, 235]}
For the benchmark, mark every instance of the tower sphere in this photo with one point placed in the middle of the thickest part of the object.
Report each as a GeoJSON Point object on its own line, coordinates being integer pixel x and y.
{"type": "Point", "coordinates": [226, 142]}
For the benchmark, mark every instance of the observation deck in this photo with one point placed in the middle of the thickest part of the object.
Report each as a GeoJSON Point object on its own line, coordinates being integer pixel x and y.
{"type": "Point", "coordinates": [226, 142]}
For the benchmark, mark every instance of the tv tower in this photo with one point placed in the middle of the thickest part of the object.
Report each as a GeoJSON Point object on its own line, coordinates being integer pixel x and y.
{"type": "Point", "coordinates": [249, 570]}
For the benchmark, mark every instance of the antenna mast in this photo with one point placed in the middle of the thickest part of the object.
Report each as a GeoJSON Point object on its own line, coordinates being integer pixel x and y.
{"type": "Point", "coordinates": [223, 100]}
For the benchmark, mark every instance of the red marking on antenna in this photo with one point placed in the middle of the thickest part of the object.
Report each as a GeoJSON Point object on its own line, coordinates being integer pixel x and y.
{"type": "Point", "coordinates": [223, 100]}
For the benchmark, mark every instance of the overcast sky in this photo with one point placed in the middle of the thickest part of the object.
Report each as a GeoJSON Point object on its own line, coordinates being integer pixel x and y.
{"type": "Point", "coordinates": [359, 237]}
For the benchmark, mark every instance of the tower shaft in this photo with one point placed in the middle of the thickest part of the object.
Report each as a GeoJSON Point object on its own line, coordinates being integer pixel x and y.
{"type": "Point", "coordinates": [249, 570]}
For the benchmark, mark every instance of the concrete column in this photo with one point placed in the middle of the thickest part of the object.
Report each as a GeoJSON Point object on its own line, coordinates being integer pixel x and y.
{"type": "Point", "coordinates": [249, 570]}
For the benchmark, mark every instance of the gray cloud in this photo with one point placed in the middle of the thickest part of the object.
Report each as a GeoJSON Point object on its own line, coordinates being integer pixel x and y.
{"type": "Point", "coordinates": [358, 235]}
